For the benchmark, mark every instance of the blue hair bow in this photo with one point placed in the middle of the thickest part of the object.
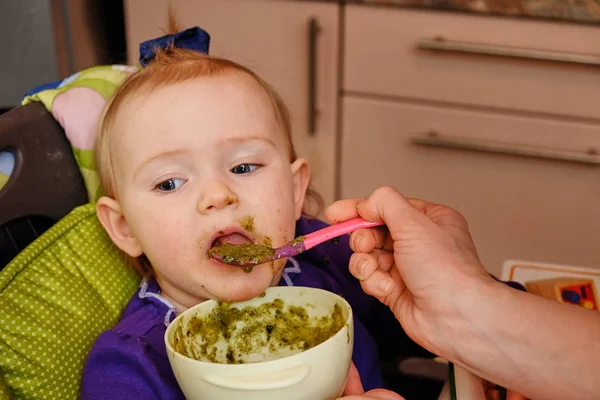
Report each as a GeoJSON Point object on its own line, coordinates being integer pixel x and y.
{"type": "Point", "coordinates": [192, 38]}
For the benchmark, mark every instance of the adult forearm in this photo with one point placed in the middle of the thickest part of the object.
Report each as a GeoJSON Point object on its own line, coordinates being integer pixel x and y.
{"type": "Point", "coordinates": [535, 346]}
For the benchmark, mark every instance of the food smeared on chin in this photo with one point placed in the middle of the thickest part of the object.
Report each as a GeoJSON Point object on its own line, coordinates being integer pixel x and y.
{"type": "Point", "coordinates": [247, 223]}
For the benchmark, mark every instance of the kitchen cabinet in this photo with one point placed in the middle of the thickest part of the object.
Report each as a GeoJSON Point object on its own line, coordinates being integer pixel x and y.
{"type": "Point", "coordinates": [463, 110]}
{"type": "Point", "coordinates": [516, 206]}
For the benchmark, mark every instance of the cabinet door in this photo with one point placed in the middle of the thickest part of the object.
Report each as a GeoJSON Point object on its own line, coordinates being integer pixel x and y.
{"type": "Point", "coordinates": [517, 207]}
{"type": "Point", "coordinates": [273, 39]}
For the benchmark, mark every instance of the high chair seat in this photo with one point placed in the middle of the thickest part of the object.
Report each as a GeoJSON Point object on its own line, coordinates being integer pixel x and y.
{"type": "Point", "coordinates": [56, 297]}
{"type": "Point", "coordinates": [45, 184]}
{"type": "Point", "coordinates": [52, 136]}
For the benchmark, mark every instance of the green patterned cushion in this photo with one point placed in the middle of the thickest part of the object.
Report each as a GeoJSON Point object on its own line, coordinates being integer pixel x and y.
{"type": "Point", "coordinates": [55, 298]}
{"type": "Point", "coordinates": [4, 392]}
{"type": "Point", "coordinates": [77, 104]}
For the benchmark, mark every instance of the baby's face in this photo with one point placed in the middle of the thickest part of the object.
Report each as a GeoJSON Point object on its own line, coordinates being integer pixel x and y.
{"type": "Point", "coordinates": [204, 162]}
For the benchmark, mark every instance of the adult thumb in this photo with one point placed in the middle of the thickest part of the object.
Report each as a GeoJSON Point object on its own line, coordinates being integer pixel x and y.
{"type": "Point", "coordinates": [383, 394]}
{"type": "Point", "coordinates": [353, 384]}
{"type": "Point", "coordinates": [388, 205]}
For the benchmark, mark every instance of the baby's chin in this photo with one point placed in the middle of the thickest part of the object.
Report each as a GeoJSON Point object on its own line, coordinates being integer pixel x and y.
{"type": "Point", "coordinates": [242, 293]}
{"type": "Point", "coordinates": [251, 284]}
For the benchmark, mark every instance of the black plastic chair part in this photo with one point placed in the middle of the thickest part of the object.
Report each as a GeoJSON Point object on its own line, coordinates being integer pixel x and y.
{"type": "Point", "coordinates": [45, 184]}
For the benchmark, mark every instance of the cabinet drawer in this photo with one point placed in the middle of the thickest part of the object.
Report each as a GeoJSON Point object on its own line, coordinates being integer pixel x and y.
{"type": "Point", "coordinates": [384, 56]}
{"type": "Point", "coordinates": [517, 206]}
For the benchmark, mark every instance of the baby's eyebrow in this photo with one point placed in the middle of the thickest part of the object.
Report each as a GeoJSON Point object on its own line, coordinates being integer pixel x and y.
{"type": "Point", "coordinates": [249, 139]}
{"type": "Point", "coordinates": [166, 154]}
{"type": "Point", "coordinates": [179, 152]}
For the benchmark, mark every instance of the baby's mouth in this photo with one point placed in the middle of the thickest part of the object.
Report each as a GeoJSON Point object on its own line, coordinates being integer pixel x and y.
{"type": "Point", "coordinates": [234, 238]}
{"type": "Point", "coordinates": [239, 250]}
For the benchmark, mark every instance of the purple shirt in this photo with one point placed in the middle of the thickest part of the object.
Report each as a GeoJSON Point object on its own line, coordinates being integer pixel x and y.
{"type": "Point", "coordinates": [130, 360]}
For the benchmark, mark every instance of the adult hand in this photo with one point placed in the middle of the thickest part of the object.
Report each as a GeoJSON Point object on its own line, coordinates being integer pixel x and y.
{"type": "Point", "coordinates": [424, 266]}
{"type": "Point", "coordinates": [354, 389]}
{"type": "Point", "coordinates": [422, 263]}
{"type": "Point", "coordinates": [375, 394]}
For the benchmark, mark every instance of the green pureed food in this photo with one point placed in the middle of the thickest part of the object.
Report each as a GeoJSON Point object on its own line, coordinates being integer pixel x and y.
{"type": "Point", "coordinates": [248, 253]}
{"type": "Point", "coordinates": [230, 335]}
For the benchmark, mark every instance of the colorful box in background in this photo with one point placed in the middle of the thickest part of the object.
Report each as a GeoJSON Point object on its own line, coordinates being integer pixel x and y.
{"type": "Point", "coordinates": [581, 292]}
{"type": "Point", "coordinates": [564, 283]}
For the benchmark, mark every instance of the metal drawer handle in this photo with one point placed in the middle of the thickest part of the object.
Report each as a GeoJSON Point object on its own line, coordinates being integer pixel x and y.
{"type": "Point", "coordinates": [432, 138]}
{"type": "Point", "coordinates": [441, 44]}
{"type": "Point", "coordinates": [313, 112]}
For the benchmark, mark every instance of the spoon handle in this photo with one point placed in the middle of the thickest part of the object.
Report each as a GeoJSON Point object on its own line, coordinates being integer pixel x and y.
{"type": "Point", "coordinates": [333, 231]}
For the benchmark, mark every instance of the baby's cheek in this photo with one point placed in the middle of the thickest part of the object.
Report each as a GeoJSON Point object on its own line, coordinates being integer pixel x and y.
{"type": "Point", "coordinates": [170, 240]}
{"type": "Point", "coordinates": [203, 240]}
{"type": "Point", "coordinates": [278, 196]}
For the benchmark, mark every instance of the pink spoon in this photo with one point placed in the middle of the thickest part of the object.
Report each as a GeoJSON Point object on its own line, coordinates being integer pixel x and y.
{"type": "Point", "coordinates": [296, 246]}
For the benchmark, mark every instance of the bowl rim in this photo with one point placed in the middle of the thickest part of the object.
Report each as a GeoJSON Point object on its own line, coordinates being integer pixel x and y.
{"type": "Point", "coordinates": [349, 323]}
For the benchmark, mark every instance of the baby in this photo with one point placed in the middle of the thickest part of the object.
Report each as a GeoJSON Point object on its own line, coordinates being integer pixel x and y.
{"type": "Point", "coordinates": [194, 151]}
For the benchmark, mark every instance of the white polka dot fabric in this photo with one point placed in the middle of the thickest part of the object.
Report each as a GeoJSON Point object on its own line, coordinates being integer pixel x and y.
{"type": "Point", "coordinates": [4, 392]}
{"type": "Point", "coordinates": [55, 298]}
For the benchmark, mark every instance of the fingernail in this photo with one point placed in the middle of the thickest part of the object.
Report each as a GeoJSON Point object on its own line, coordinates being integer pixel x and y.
{"type": "Point", "coordinates": [384, 286]}
{"type": "Point", "coordinates": [362, 268]}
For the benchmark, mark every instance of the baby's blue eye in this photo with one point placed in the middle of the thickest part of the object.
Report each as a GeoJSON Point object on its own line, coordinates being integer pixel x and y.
{"type": "Point", "coordinates": [243, 168]}
{"type": "Point", "coordinates": [170, 184]}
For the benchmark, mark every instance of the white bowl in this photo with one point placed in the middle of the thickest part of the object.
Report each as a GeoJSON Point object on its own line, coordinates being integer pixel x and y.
{"type": "Point", "coordinates": [318, 373]}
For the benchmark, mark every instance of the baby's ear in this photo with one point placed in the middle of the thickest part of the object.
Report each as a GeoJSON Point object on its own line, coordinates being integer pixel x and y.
{"type": "Point", "coordinates": [112, 219]}
{"type": "Point", "coordinates": [301, 178]}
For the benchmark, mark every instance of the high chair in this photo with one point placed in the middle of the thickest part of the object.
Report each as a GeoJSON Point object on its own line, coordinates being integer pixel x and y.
{"type": "Point", "coordinates": [62, 283]}
{"type": "Point", "coordinates": [45, 184]}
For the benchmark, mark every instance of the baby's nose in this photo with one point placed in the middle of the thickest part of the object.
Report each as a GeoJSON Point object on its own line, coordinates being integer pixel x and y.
{"type": "Point", "coordinates": [217, 197]}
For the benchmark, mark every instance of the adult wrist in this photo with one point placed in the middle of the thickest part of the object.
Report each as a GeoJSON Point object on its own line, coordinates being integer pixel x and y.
{"type": "Point", "coordinates": [469, 317]}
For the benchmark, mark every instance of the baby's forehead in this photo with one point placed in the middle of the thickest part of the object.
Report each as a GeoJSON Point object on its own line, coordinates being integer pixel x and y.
{"type": "Point", "coordinates": [217, 107]}
{"type": "Point", "coordinates": [235, 92]}
{"type": "Point", "coordinates": [231, 96]}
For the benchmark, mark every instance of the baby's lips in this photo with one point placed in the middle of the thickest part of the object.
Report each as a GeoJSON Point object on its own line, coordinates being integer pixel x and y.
{"type": "Point", "coordinates": [232, 238]}
{"type": "Point", "coordinates": [234, 235]}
